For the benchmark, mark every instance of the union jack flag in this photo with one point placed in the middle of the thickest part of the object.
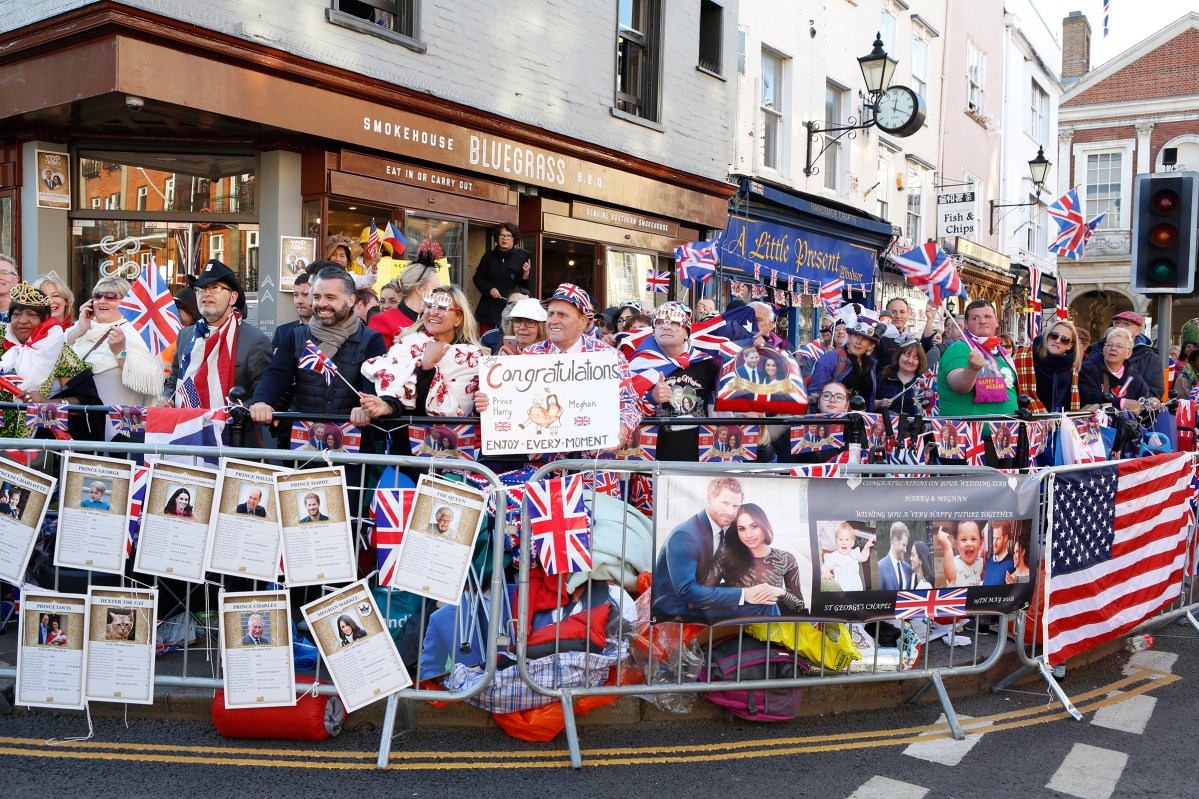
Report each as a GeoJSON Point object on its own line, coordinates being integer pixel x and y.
{"type": "Point", "coordinates": [582, 421]}
{"type": "Point", "coordinates": [390, 509]}
{"type": "Point", "coordinates": [656, 281]}
{"type": "Point", "coordinates": [515, 482]}
{"type": "Point", "coordinates": [1072, 228]}
{"type": "Point", "coordinates": [975, 443]}
{"type": "Point", "coordinates": [1063, 289]}
{"type": "Point", "coordinates": [757, 271]}
{"type": "Point", "coordinates": [503, 427]}
{"type": "Point", "coordinates": [757, 291]}
{"type": "Point", "coordinates": [560, 524]}
{"type": "Point", "coordinates": [810, 351]}
{"type": "Point", "coordinates": [47, 416]}
{"type": "Point", "coordinates": [696, 261]}
{"type": "Point", "coordinates": [830, 295]}
{"type": "Point", "coordinates": [151, 310]}
{"type": "Point", "coordinates": [929, 269]}
{"type": "Point", "coordinates": [1034, 302]}
{"type": "Point", "coordinates": [930, 603]}
{"type": "Point", "coordinates": [127, 418]}
{"type": "Point", "coordinates": [318, 362]}
{"type": "Point", "coordinates": [604, 483]}
{"type": "Point", "coordinates": [817, 470]}
{"type": "Point", "coordinates": [137, 498]}
{"type": "Point", "coordinates": [641, 493]}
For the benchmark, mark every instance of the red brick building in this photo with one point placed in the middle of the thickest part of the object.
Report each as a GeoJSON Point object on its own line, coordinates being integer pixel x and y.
{"type": "Point", "coordinates": [1133, 115]}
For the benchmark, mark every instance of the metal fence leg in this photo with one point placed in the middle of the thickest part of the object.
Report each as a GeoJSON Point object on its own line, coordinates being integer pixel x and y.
{"type": "Point", "coordinates": [1011, 679]}
{"type": "Point", "coordinates": [389, 723]}
{"type": "Point", "coordinates": [1191, 618]}
{"type": "Point", "coordinates": [572, 732]}
{"type": "Point", "coordinates": [947, 706]}
{"type": "Point", "coordinates": [1047, 675]}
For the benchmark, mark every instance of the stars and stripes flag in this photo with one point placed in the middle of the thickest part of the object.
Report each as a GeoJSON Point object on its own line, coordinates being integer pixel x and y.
{"type": "Point", "coordinates": [318, 362]}
{"type": "Point", "coordinates": [372, 240]}
{"type": "Point", "coordinates": [47, 416]}
{"type": "Point", "coordinates": [560, 524]}
{"type": "Point", "coordinates": [657, 282]}
{"type": "Point", "coordinates": [151, 310]}
{"type": "Point", "coordinates": [1116, 550]}
{"type": "Point", "coordinates": [1034, 302]}
{"type": "Point", "coordinates": [697, 261]}
{"type": "Point", "coordinates": [930, 604]}
{"type": "Point", "coordinates": [1063, 290]}
{"type": "Point", "coordinates": [830, 295]}
{"type": "Point", "coordinates": [1072, 228]}
{"type": "Point", "coordinates": [390, 509]}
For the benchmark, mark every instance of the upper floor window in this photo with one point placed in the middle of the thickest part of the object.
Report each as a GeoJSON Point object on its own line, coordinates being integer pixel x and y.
{"type": "Point", "coordinates": [920, 66]}
{"type": "Point", "coordinates": [711, 36]}
{"type": "Point", "coordinates": [976, 76]}
{"type": "Point", "coordinates": [914, 225]}
{"type": "Point", "coordinates": [396, 20]}
{"type": "Point", "coordinates": [1105, 187]}
{"type": "Point", "coordinates": [772, 107]}
{"type": "Point", "coordinates": [1038, 113]}
{"type": "Point", "coordinates": [886, 30]}
{"type": "Point", "coordinates": [834, 159]}
{"type": "Point", "coordinates": [639, 57]}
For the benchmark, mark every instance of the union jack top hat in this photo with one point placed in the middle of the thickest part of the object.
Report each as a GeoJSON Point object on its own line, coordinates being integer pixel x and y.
{"type": "Point", "coordinates": [576, 296]}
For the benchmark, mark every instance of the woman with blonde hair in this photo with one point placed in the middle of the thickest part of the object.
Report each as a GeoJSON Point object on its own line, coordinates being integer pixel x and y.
{"type": "Point", "coordinates": [418, 279]}
{"type": "Point", "coordinates": [433, 370]}
{"type": "Point", "coordinates": [62, 299]}
{"type": "Point", "coordinates": [1057, 359]}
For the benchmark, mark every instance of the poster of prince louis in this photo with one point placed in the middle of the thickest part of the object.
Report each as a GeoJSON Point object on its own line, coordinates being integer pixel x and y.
{"type": "Point", "coordinates": [730, 548]}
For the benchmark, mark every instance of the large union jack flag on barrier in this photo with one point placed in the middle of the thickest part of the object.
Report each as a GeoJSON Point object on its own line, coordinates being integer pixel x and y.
{"type": "Point", "coordinates": [318, 362]}
{"type": "Point", "coordinates": [929, 604]}
{"type": "Point", "coordinates": [151, 310]}
{"type": "Point", "coordinates": [1073, 230]}
{"type": "Point", "coordinates": [560, 524]}
{"type": "Point", "coordinates": [696, 261]}
{"type": "Point", "coordinates": [390, 509]}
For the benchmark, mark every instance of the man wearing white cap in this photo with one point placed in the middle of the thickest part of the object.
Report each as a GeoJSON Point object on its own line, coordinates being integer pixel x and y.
{"type": "Point", "coordinates": [568, 315]}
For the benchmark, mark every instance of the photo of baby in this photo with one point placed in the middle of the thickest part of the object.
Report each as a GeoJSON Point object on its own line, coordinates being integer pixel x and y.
{"type": "Point", "coordinates": [852, 547]}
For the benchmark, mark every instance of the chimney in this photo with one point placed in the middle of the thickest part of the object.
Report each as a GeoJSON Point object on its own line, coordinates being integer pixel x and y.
{"type": "Point", "coordinates": [1076, 47]}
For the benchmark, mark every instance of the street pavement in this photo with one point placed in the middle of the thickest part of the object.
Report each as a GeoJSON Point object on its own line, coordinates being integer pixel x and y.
{"type": "Point", "coordinates": [1135, 740]}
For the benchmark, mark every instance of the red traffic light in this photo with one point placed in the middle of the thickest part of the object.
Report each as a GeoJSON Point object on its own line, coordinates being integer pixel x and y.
{"type": "Point", "coordinates": [1164, 202]}
{"type": "Point", "coordinates": [1163, 235]}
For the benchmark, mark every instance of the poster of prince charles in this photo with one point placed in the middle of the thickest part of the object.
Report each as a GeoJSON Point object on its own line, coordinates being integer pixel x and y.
{"type": "Point", "coordinates": [722, 553]}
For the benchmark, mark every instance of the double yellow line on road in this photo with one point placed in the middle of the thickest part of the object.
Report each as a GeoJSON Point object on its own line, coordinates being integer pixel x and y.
{"type": "Point", "coordinates": [409, 760]}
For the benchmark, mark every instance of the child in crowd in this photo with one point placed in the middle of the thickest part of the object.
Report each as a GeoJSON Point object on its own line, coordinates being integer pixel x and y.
{"type": "Point", "coordinates": [843, 563]}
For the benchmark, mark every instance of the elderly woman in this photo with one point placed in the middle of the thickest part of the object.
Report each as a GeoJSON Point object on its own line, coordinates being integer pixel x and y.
{"type": "Point", "coordinates": [1057, 358]}
{"type": "Point", "coordinates": [1113, 375]}
{"type": "Point", "coordinates": [433, 370]}
{"type": "Point", "coordinates": [62, 299]}
{"type": "Point", "coordinates": [525, 326]}
{"type": "Point", "coordinates": [125, 371]}
{"type": "Point", "coordinates": [418, 279]}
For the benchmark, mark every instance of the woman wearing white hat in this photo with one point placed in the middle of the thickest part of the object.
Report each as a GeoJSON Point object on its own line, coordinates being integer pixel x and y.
{"type": "Point", "coordinates": [524, 327]}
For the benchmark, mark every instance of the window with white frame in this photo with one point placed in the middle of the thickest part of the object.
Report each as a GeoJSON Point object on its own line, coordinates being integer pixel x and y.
{"type": "Point", "coordinates": [772, 108]}
{"type": "Point", "coordinates": [1038, 241]}
{"type": "Point", "coordinates": [639, 57]}
{"type": "Point", "coordinates": [143, 194]}
{"type": "Point", "coordinates": [834, 156]}
{"type": "Point", "coordinates": [168, 189]}
{"type": "Point", "coordinates": [1104, 173]}
{"type": "Point", "coordinates": [914, 227]}
{"type": "Point", "coordinates": [216, 247]}
{"type": "Point", "coordinates": [886, 30]}
{"type": "Point", "coordinates": [397, 20]}
{"type": "Point", "coordinates": [883, 189]}
{"type": "Point", "coordinates": [1038, 112]}
{"type": "Point", "coordinates": [920, 65]}
{"type": "Point", "coordinates": [976, 75]}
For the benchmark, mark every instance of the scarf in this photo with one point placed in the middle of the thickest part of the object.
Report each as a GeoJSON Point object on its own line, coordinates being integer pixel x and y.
{"type": "Point", "coordinates": [1055, 373]}
{"type": "Point", "coordinates": [330, 339]}
{"type": "Point", "coordinates": [34, 360]}
{"type": "Point", "coordinates": [990, 385]}
{"type": "Point", "coordinates": [206, 370]}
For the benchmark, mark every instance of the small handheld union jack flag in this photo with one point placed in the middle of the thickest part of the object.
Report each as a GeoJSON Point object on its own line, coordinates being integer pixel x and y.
{"type": "Point", "coordinates": [318, 362]}
{"type": "Point", "coordinates": [560, 524]}
{"type": "Point", "coordinates": [696, 261]}
{"type": "Point", "coordinates": [830, 295]}
{"type": "Point", "coordinates": [150, 309]}
{"type": "Point", "coordinates": [656, 281]}
{"type": "Point", "coordinates": [929, 604]}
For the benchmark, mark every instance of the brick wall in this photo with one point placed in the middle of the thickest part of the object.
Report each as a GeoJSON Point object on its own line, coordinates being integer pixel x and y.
{"type": "Point", "coordinates": [1076, 47]}
{"type": "Point", "coordinates": [1171, 70]}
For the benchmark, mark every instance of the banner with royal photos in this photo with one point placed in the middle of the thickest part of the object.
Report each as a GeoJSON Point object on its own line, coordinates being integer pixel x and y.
{"type": "Point", "coordinates": [356, 646]}
{"type": "Point", "coordinates": [246, 536]}
{"type": "Point", "coordinates": [318, 547]}
{"type": "Point", "coordinates": [24, 498]}
{"type": "Point", "coordinates": [550, 403]}
{"type": "Point", "coordinates": [762, 547]}
{"type": "Point", "coordinates": [444, 441]}
{"type": "Point", "coordinates": [439, 539]}
{"type": "Point", "coordinates": [50, 651]}
{"type": "Point", "coordinates": [255, 635]}
{"type": "Point", "coordinates": [53, 180]}
{"type": "Point", "coordinates": [120, 643]}
{"type": "Point", "coordinates": [325, 437]}
{"type": "Point", "coordinates": [176, 519]}
{"type": "Point", "coordinates": [93, 515]}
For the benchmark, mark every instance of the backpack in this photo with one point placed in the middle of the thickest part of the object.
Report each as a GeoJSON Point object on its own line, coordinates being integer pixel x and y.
{"type": "Point", "coordinates": [742, 658]}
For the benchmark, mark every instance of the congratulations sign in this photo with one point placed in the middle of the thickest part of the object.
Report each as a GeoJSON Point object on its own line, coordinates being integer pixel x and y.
{"type": "Point", "coordinates": [550, 403]}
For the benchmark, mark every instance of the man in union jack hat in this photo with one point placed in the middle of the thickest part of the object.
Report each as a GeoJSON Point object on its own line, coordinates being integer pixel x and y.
{"type": "Point", "coordinates": [568, 316]}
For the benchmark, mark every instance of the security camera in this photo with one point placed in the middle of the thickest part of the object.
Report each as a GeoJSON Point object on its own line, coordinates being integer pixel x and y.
{"type": "Point", "coordinates": [134, 103]}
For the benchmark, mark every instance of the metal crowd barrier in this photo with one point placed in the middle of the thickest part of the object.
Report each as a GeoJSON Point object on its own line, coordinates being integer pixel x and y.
{"type": "Point", "coordinates": [931, 674]}
{"type": "Point", "coordinates": [207, 675]}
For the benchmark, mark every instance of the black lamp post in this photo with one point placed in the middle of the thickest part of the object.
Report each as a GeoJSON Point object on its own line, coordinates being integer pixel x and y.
{"type": "Point", "coordinates": [1038, 169]}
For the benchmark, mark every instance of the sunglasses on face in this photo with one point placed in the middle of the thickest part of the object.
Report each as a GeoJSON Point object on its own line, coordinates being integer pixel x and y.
{"type": "Point", "coordinates": [106, 295]}
{"type": "Point", "coordinates": [1055, 336]}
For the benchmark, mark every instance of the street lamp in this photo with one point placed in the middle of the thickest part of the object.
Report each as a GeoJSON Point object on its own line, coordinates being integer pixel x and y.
{"type": "Point", "coordinates": [1038, 170]}
{"type": "Point", "coordinates": [897, 110]}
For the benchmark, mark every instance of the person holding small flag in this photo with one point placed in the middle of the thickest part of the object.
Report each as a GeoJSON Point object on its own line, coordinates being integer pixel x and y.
{"type": "Point", "coordinates": [218, 352]}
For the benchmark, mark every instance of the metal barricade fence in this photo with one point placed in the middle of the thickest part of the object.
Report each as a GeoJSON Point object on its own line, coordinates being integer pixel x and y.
{"type": "Point", "coordinates": [467, 627]}
{"type": "Point", "coordinates": [1029, 624]}
{"type": "Point", "coordinates": [598, 680]}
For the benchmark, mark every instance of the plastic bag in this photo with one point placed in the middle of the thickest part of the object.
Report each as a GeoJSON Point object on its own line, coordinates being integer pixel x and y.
{"type": "Point", "coordinates": [830, 643]}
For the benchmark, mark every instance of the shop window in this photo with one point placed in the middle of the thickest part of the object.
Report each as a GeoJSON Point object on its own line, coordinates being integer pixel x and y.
{"type": "Point", "coordinates": [639, 57]}
{"type": "Point", "coordinates": [395, 20]}
{"type": "Point", "coordinates": [625, 278]}
{"type": "Point", "coordinates": [352, 220]}
{"type": "Point", "coordinates": [711, 36]}
{"type": "Point", "coordinates": [149, 180]}
{"type": "Point", "coordinates": [7, 223]}
{"type": "Point", "coordinates": [450, 234]}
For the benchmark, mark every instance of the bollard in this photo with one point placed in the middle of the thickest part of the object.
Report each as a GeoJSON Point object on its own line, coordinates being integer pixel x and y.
{"type": "Point", "coordinates": [240, 416]}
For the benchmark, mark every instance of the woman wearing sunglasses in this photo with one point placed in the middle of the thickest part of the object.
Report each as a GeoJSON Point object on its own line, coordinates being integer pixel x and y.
{"type": "Point", "coordinates": [1057, 358]}
{"type": "Point", "coordinates": [125, 371]}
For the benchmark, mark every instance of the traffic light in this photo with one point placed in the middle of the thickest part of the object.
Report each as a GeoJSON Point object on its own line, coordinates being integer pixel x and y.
{"type": "Point", "coordinates": [1165, 233]}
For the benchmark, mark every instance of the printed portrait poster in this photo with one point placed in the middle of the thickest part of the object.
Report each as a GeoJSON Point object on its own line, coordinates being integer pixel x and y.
{"type": "Point", "coordinates": [439, 538]}
{"type": "Point", "coordinates": [53, 180]}
{"type": "Point", "coordinates": [120, 645]}
{"type": "Point", "coordinates": [318, 546]}
{"type": "Point", "coordinates": [176, 518]}
{"type": "Point", "coordinates": [550, 403]}
{"type": "Point", "coordinates": [246, 538]}
{"type": "Point", "coordinates": [356, 646]}
{"type": "Point", "coordinates": [728, 443]}
{"type": "Point", "coordinates": [297, 254]}
{"type": "Point", "coordinates": [444, 441]}
{"type": "Point", "coordinates": [325, 437]}
{"type": "Point", "coordinates": [256, 650]}
{"type": "Point", "coordinates": [24, 497]}
{"type": "Point", "coordinates": [730, 548]}
{"type": "Point", "coordinates": [875, 540]}
{"type": "Point", "coordinates": [50, 651]}
{"type": "Point", "coordinates": [93, 514]}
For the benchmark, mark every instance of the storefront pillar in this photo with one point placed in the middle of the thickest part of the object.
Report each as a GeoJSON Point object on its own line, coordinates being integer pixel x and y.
{"type": "Point", "coordinates": [45, 243]}
{"type": "Point", "coordinates": [281, 214]}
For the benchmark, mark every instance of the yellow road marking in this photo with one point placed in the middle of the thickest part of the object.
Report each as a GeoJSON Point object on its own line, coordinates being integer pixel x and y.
{"type": "Point", "coordinates": [688, 753]}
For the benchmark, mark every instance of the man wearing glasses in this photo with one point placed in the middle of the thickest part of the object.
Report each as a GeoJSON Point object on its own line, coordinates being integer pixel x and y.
{"type": "Point", "coordinates": [9, 277]}
{"type": "Point", "coordinates": [681, 380]}
{"type": "Point", "coordinates": [218, 352]}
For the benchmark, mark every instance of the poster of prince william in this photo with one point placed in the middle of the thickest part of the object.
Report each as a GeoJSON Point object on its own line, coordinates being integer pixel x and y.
{"type": "Point", "coordinates": [757, 548]}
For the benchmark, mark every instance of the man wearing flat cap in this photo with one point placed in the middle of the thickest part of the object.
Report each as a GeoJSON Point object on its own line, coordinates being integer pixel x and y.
{"type": "Point", "coordinates": [218, 352]}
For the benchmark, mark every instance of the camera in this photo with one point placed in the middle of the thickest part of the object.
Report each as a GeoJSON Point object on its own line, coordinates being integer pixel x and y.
{"type": "Point", "coordinates": [134, 103]}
